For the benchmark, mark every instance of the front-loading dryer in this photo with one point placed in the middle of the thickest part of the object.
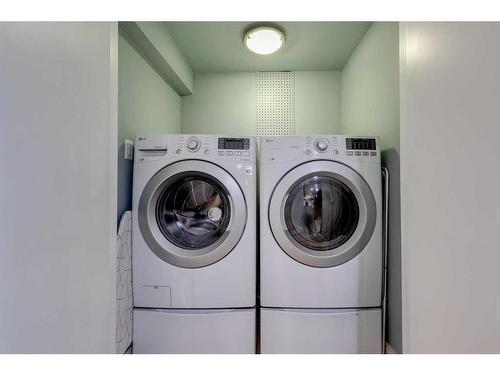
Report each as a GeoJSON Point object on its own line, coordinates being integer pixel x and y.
{"type": "Point", "coordinates": [320, 240]}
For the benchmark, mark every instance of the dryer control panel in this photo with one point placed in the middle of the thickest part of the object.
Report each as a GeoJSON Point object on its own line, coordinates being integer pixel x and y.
{"type": "Point", "coordinates": [359, 148]}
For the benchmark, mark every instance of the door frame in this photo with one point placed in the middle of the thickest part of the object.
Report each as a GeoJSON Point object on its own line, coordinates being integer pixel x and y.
{"type": "Point", "coordinates": [359, 238]}
{"type": "Point", "coordinates": [171, 253]}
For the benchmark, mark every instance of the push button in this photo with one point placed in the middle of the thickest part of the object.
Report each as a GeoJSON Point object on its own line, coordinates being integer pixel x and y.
{"type": "Point", "coordinates": [349, 153]}
{"type": "Point", "coordinates": [373, 153]}
{"type": "Point", "coordinates": [237, 153]}
{"type": "Point", "coordinates": [357, 153]}
{"type": "Point", "coordinates": [366, 153]}
{"type": "Point", "coordinates": [229, 153]}
{"type": "Point", "coordinates": [246, 153]}
{"type": "Point", "coordinates": [220, 153]}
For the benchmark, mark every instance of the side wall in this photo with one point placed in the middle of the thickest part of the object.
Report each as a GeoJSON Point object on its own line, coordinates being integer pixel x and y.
{"type": "Point", "coordinates": [370, 106]}
{"type": "Point", "coordinates": [146, 104]}
{"type": "Point", "coordinates": [58, 130]}
{"type": "Point", "coordinates": [450, 181]}
{"type": "Point", "coordinates": [226, 103]}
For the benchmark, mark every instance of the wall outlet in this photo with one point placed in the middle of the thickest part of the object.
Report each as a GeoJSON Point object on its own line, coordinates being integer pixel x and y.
{"type": "Point", "coordinates": [129, 149]}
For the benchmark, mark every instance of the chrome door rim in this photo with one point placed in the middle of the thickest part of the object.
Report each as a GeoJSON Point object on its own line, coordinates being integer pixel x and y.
{"type": "Point", "coordinates": [358, 240]}
{"type": "Point", "coordinates": [171, 253]}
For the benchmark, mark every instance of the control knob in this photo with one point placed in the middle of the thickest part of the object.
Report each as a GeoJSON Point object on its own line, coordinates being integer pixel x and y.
{"type": "Point", "coordinates": [193, 144]}
{"type": "Point", "coordinates": [321, 145]}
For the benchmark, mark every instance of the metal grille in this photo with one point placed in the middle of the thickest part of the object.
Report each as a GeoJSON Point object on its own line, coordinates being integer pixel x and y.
{"type": "Point", "coordinates": [275, 103]}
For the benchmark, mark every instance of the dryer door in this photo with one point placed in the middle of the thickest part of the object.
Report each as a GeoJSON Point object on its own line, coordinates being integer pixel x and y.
{"type": "Point", "coordinates": [192, 213]}
{"type": "Point", "coordinates": [322, 213]}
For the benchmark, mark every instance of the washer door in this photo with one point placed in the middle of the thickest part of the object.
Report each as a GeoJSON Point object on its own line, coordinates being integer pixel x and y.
{"type": "Point", "coordinates": [192, 213]}
{"type": "Point", "coordinates": [322, 213]}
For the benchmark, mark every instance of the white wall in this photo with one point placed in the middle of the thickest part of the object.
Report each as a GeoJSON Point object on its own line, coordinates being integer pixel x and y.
{"type": "Point", "coordinates": [370, 106]}
{"type": "Point", "coordinates": [450, 183]}
{"type": "Point", "coordinates": [226, 103]}
{"type": "Point", "coordinates": [58, 129]}
{"type": "Point", "coordinates": [146, 105]}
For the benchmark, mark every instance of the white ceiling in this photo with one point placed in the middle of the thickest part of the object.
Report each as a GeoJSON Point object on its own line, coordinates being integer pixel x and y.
{"type": "Point", "coordinates": [218, 46]}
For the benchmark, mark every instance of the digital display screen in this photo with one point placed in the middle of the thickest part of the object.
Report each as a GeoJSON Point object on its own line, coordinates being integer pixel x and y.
{"type": "Point", "coordinates": [234, 143]}
{"type": "Point", "coordinates": [360, 144]}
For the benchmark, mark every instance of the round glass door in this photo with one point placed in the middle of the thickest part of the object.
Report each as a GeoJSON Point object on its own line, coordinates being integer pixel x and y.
{"type": "Point", "coordinates": [322, 213]}
{"type": "Point", "coordinates": [187, 213]}
{"type": "Point", "coordinates": [193, 211]}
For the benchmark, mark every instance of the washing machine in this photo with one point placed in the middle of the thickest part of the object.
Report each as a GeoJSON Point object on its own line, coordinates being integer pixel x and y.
{"type": "Point", "coordinates": [321, 251]}
{"type": "Point", "coordinates": [194, 243]}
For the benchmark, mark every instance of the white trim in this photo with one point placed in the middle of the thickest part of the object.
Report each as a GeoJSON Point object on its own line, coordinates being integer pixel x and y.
{"type": "Point", "coordinates": [404, 157]}
{"type": "Point", "coordinates": [113, 187]}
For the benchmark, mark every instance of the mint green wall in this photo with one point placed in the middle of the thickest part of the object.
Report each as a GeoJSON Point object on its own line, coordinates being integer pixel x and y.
{"type": "Point", "coordinates": [146, 104]}
{"type": "Point", "coordinates": [370, 86]}
{"type": "Point", "coordinates": [370, 106]}
{"type": "Point", "coordinates": [317, 102]}
{"type": "Point", "coordinates": [221, 103]}
{"type": "Point", "coordinates": [226, 103]}
{"type": "Point", "coordinates": [158, 34]}
{"type": "Point", "coordinates": [153, 42]}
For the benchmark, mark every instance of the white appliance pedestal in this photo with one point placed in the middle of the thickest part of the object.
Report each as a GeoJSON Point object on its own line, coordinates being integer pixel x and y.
{"type": "Point", "coordinates": [322, 331]}
{"type": "Point", "coordinates": [195, 331]}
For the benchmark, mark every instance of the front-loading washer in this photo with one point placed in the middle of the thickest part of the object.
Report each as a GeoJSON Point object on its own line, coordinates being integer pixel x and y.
{"type": "Point", "coordinates": [193, 237]}
{"type": "Point", "coordinates": [320, 241]}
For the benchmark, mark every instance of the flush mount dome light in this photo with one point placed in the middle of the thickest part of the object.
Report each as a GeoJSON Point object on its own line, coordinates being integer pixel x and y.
{"type": "Point", "coordinates": [264, 40]}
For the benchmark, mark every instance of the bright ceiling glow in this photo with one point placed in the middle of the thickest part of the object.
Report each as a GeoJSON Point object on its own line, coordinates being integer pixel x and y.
{"type": "Point", "coordinates": [264, 40]}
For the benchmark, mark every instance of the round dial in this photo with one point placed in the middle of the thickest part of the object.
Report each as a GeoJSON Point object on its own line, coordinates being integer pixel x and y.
{"type": "Point", "coordinates": [193, 144]}
{"type": "Point", "coordinates": [321, 145]}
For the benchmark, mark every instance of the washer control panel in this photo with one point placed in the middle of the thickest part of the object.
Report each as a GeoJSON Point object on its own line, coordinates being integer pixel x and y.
{"type": "Point", "coordinates": [233, 153]}
{"type": "Point", "coordinates": [233, 147]}
{"type": "Point", "coordinates": [159, 146]}
{"type": "Point", "coordinates": [234, 143]}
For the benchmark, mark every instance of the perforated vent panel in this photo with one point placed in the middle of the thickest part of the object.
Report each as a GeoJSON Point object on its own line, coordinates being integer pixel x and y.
{"type": "Point", "coordinates": [275, 103]}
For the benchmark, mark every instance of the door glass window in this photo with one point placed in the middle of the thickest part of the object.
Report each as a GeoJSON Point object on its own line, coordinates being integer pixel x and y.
{"type": "Point", "coordinates": [193, 211]}
{"type": "Point", "coordinates": [321, 212]}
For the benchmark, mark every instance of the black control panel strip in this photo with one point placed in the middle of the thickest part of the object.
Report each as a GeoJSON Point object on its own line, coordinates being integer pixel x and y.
{"type": "Point", "coordinates": [234, 144]}
{"type": "Point", "coordinates": [360, 144]}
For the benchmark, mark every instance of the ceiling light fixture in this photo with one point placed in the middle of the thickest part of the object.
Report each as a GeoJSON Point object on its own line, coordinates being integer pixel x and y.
{"type": "Point", "coordinates": [264, 40]}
